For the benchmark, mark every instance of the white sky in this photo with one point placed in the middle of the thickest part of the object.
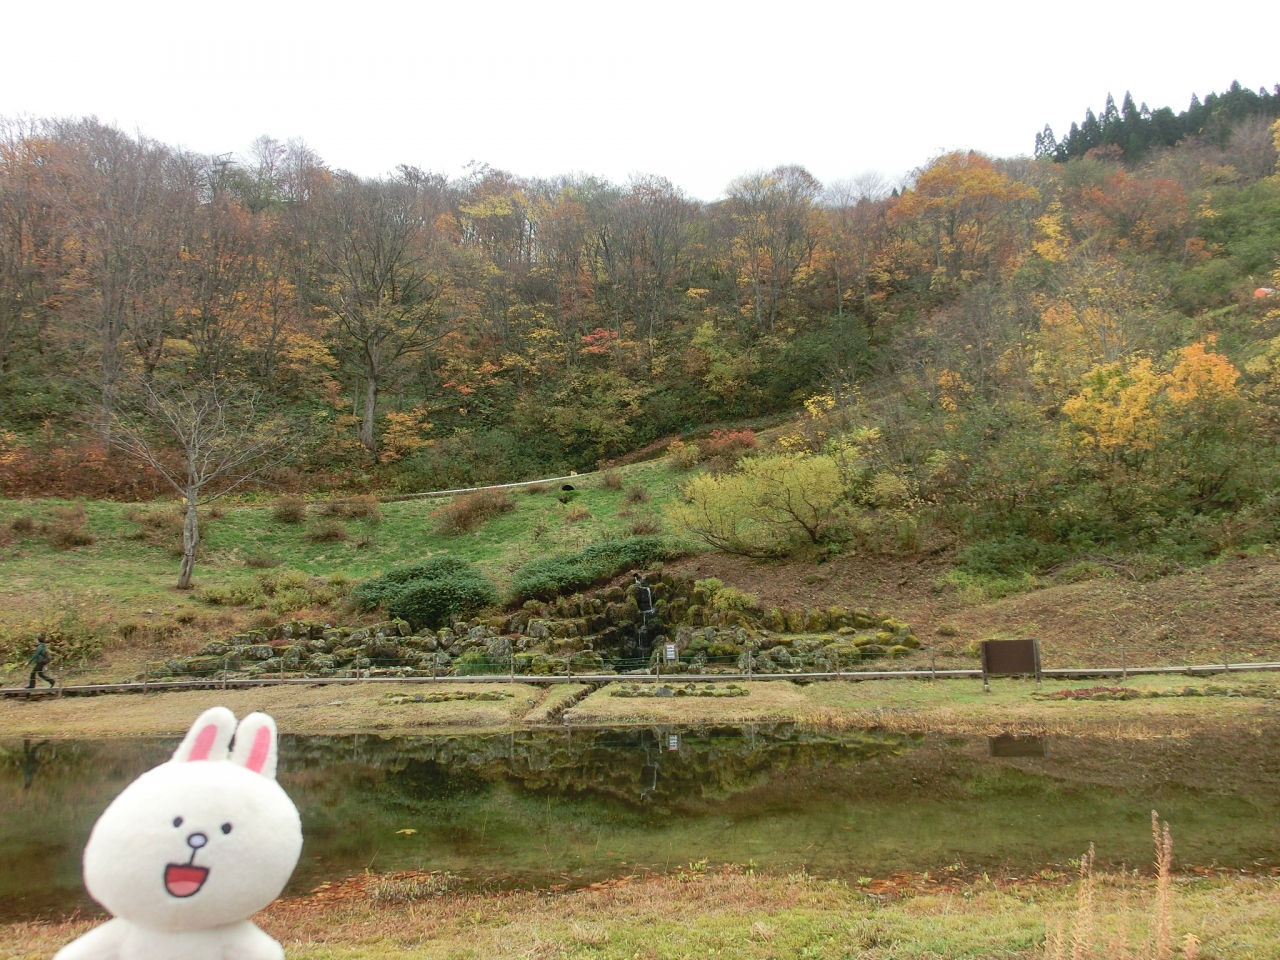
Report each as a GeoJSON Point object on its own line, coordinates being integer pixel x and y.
{"type": "Point", "coordinates": [699, 91]}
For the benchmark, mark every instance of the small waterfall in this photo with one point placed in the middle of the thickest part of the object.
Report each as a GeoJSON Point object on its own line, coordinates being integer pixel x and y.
{"type": "Point", "coordinates": [646, 631]}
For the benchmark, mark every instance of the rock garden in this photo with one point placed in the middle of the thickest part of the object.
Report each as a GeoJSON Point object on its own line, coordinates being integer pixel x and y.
{"type": "Point", "coordinates": [613, 630]}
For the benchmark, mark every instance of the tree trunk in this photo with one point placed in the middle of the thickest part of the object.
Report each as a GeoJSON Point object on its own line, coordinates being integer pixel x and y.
{"type": "Point", "coordinates": [370, 405]}
{"type": "Point", "coordinates": [190, 540]}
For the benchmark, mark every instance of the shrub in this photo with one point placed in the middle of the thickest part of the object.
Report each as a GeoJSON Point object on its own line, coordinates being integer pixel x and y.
{"type": "Point", "coordinates": [473, 510]}
{"type": "Point", "coordinates": [437, 602]}
{"type": "Point", "coordinates": [1009, 556]}
{"type": "Point", "coordinates": [23, 526]}
{"type": "Point", "coordinates": [289, 510]}
{"type": "Point", "coordinates": [636, 493]}
{"type": "Point", "coordinates": [377, 591]}
{"type": "Point", "coordinates": [159, 528]}
{"type": "Point", "coordinates": [548, 577]}
{"type": "Point", "coordinates": [612, 480]}
{"type": "Point", "coordinates": [645, 528]}
{"type": "Point", "coordinates": [366, 509]}
{"type": "Point", "coordinates": [683, 456]}
{"type": "Point", "coordinates": [357, 508]}
{"type": "Point", "coordinates": [67, 530]}
{"type": "Point", "coordinates": [260, 562]}
{"type": "Point", "coordinates": [327, 531]}
{"type": "Point", "coordinates": [730, 443]}
{"type": "Point", "coordinates": [576, 514]}
{"type": "Point", "coordinates": [761, 508]}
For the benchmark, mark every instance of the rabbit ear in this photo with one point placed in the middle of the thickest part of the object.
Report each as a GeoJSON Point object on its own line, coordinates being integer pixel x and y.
{"type": "Point", "coordinates": [209, 737]}
{"type": "Point", "coordinates": [255, 747]}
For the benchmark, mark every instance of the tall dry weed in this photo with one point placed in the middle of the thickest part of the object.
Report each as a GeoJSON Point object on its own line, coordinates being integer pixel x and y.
{"type": "Point", "coordinates": [1081, 938]}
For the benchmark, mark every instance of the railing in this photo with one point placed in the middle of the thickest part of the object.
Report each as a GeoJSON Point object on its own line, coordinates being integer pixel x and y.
{"type": "Point", "coordinates": [1118, 660]}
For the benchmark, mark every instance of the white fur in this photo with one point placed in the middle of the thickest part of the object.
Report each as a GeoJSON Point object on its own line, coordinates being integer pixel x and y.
{"type": "Point", "coordinates": [127, 859]}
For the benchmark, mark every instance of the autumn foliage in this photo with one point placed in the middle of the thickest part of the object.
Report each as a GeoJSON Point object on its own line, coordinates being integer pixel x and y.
{"type": "Point", "coordinates": [1066, 348]}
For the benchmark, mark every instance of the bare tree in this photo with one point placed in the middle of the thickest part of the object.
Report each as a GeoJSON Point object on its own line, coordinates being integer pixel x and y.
{"type": "Point", "coordinates": [376, 234]}
{"type": "Point", "coordinates": [205, 439]}
{"type": "Point", "coordinates": [640, 244]}
{"type": "Point", "coordinates": [773, 235]}
{"type": "Point", "coordinates": [125, 197]}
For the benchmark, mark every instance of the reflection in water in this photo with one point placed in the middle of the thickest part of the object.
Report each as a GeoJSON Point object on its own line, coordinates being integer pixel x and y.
{"type": "Point", "coordinates": [1007, 745]}
{"type": "Point", "coordinates": [30, 761]}
{"type": "Point", "coordinates": [537, 807]}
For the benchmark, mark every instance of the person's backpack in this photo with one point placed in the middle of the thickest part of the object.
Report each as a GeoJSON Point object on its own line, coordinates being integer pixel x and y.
{"type": "Point", "coordinates": [43, 656]}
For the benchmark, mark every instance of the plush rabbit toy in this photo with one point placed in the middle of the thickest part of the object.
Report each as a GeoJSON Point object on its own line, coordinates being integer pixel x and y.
{"type": "Point", "coordinates": [192, 848]}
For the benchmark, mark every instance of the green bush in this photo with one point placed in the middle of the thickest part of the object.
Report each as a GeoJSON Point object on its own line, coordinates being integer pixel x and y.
{"type": "Point", "coordinates": [548, 577]}
{"type": "Point", "coordinates": [379, 590]}
{"type": "Point", "coordinates": [1008, 557]}
{"type": "Point", "coordinates": [435, 603]}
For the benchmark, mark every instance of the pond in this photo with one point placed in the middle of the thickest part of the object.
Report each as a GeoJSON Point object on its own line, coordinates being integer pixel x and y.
{"type": "Point", "coordinates": [574, 806]}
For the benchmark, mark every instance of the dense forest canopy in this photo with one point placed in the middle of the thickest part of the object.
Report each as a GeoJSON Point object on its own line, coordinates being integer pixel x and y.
{"type": "Point", "coordinates": [1069, 347]}
{"type": "Point", "coordinates": [1238, 114]}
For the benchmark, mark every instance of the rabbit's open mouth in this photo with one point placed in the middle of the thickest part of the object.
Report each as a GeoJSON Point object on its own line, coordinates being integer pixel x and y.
{"type": "Point", "coordinates": [184, 879]}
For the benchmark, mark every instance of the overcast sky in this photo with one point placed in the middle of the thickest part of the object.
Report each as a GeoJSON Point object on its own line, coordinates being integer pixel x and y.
{"type": "Point", "coordinates": [697, 91]}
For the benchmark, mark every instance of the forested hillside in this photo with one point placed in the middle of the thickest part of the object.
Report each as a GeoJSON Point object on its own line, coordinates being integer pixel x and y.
{"type": "Point", "coordinates": [1049, 354]}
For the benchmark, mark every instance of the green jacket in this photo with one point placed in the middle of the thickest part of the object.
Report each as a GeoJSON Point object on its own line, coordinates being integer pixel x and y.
{"type": "Point", "coordinates": [41, 655]}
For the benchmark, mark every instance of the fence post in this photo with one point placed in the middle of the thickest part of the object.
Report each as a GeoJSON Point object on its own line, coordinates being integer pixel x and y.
{"type": "Point", "coordinates": [226, 666]}
{"type": "Point", "coordinates": [146, 669]}
{"type": "Point", "coordinates": [1226, 659]}
{"type": "Point", "coordinates": [933, 665]}
{"type": "Point", "coordinates": [1124, 666]}
{"type": "Point", "coordinates": [511, 664]}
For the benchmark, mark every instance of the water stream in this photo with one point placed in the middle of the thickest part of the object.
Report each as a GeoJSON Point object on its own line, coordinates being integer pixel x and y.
{"type": "Point", "coordinates": [573, 806]}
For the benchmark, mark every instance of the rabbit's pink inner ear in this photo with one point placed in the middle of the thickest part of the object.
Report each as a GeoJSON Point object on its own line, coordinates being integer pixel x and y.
{"type": "Point", "coordinates": [203, 746]}
{"type": "Point", "coordinates": [260, 751]}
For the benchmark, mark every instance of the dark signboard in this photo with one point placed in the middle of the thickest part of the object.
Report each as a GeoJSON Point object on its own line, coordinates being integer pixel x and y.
{"type": "Point", "coordinates": [1010, 658]}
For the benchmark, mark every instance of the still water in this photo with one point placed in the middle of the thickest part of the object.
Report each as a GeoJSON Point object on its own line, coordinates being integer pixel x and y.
{"type": "Point", "coordinates": [574, 806]}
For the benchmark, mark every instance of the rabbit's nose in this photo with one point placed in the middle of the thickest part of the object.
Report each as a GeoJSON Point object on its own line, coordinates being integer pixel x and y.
{"type": "Point", "coordinates": [197, 840]}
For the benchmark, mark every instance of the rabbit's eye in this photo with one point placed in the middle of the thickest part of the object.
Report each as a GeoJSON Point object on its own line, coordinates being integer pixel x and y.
{"type": "Point", "coordinates": [177, 821]}
{"type": "Point", "coordinates": [226, 828]}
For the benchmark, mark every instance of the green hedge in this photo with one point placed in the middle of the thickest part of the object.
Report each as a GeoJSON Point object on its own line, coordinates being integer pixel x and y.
{"type": "Point", "coordinates": [548, 577]}
{"type": "Point", "coordinates": [431, 594]}
{"type": "Point", "coordinates": [380, 590]}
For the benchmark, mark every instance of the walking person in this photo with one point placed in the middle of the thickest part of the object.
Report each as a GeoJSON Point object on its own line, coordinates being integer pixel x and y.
{"type": "Point", "coordinates": [39, 660]}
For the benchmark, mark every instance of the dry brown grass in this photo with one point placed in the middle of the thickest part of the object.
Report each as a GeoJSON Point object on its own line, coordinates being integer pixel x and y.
{"type": "Point", "coordinates": [636, 493]}
{"type": "Point", "coordinates": [611, 480]}
{"type": "Point", "coordinates": [328, 531]}
{"type": "Point", "coordinates": [357, 508]}
{"type": "Point", "coordinates": [1146, 933]}
{"type": "Point", "coordinates": [289, 510]}
{"type": "Point", "coordinates": [467, 513]}
{"type": "Point", "coordinates": [645, 527]}
{"type": "Point", "coordinates": [67, 530]}
{"type": "Point", "coordinates": [577, 514]}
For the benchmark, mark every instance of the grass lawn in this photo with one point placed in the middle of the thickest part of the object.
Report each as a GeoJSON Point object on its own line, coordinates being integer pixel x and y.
{"type": "Point", "coordinates": [906, 706]}
{"type": "Point", "coordinates": [739, 915]}
{"type": "Point", "coordinates": [120, 580]}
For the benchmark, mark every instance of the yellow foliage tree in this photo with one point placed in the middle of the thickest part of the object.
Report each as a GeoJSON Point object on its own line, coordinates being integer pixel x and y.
{"type": "Point", "coordinates": [764, 506]}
